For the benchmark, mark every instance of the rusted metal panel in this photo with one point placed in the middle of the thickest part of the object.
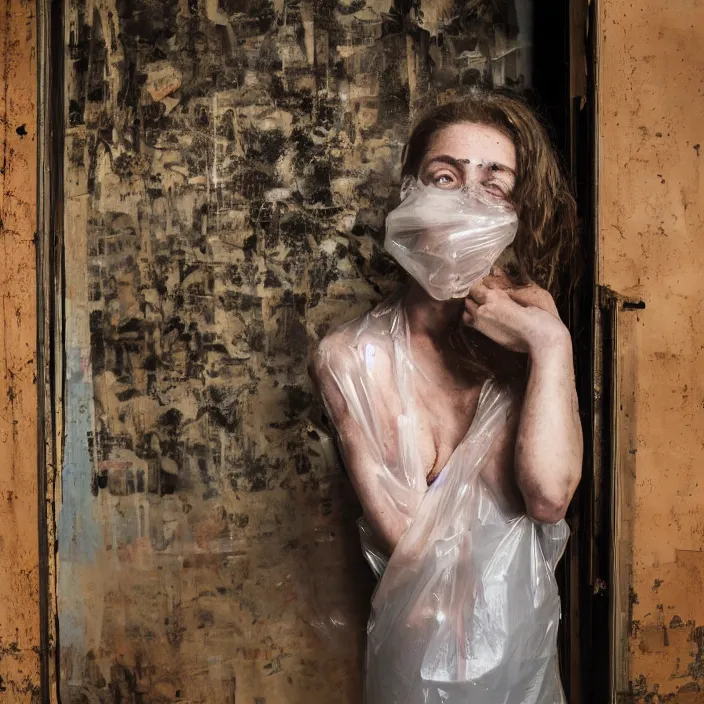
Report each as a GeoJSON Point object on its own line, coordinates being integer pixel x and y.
{"type": "Point", "coordinates": [19, 587]}
{"type": "Point", "coordinates": [228, 166]}
{"type": "Point", "coordinates": [651, 212]}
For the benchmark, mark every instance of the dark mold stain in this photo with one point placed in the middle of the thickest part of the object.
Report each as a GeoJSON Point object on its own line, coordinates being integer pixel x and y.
{"type": "Point", "coordinates": [696, 669]}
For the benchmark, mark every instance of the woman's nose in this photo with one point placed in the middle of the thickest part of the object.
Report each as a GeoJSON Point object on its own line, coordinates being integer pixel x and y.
{"type": "Point", "coordinates": [476, 174]}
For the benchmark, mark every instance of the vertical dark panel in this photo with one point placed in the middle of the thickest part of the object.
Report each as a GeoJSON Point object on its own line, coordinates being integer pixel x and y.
{"type": "Point", "coordinates": [563, 82]}
{"type": "Point", "coordinates": [228, 166]}
{"type": "Point", "coordinates": [591, 633]}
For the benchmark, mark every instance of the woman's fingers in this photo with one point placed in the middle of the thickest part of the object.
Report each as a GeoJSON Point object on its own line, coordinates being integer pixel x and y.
{"type": "Point", "coordinates": [470, 306]}
{"type": "Point", "coordinates": [469, 315]}
{"type": "Point", "coordinates": [525, 296]}
{"type": "Point", "coordinates": [497, 278]}
{"type": "Point", "coordinates": [515, 317]}
{"type": "Point", "coordinates": [533, 295]}
{"type": "Point", "coordinates": [479, 292]}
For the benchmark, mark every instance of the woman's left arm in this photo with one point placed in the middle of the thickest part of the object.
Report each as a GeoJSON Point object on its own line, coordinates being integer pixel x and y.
{"type": "Point", "coordinates": [548, 452]}
{"type": "Point", "coordinates": [548, 458]}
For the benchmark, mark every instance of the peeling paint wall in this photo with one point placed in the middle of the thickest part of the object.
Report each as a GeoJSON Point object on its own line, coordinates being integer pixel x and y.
{"type": "Point", "coordinates": [19, 544]}
{"type": "Point", "coordinates": [651, 144]}
{"type": "Point", "coordinates": [228, 166]}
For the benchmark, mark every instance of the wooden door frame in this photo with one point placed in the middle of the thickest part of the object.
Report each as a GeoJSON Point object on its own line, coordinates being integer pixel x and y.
{"type": "Point", "coordinates": [568, 33]}
{"type": "Point", "coordinates": [570, 105]}
{"type": "Point", "coordinates": [50, 290]}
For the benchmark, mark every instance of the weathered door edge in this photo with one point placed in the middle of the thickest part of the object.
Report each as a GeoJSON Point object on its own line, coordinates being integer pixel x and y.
{"type": "Point", "coordinates": [615, 391]}
{"type": "Point", "coordinates": [623, 441]}
{"type": "Point", "coordinates": [603, 598]}
{"type": "Point", "coordinates": [45, 435]}
{"type": "Point", "coordinates": [615, 434]}
{"type": "Point", "coordinates": [585, 608]}
{"type": "Point", "coordinates": [50, 67]}
{"type": "Point", "coordinates": [615, 439]}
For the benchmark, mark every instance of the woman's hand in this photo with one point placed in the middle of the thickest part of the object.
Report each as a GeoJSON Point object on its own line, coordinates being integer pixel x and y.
{"type": "Point", "coordinates": [521, 319]}
{"type": "Point", "coordinates": [548, 448]}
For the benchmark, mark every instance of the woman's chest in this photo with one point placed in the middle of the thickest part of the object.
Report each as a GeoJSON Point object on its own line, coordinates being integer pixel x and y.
{"type": "Point", "coordinates": [423, 424]}
{"type": "Point", "coordinates": [442, 420]}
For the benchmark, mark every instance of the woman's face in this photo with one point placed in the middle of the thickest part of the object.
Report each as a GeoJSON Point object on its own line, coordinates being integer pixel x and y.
{"type": "Point", "coordinates": [473, 155]}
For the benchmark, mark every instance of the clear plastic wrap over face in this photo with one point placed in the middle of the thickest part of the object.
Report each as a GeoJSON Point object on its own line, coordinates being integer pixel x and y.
{"type": "Point", "coordinates": [467, 609]}
{"type": "Point", "coordinates": [448, 239]}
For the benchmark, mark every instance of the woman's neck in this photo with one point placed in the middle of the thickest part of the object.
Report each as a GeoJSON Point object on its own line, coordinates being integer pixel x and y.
{"type": "Point", "coordinates": [429, 317]}
{"type": "Point", "coordinates": [430, 324]}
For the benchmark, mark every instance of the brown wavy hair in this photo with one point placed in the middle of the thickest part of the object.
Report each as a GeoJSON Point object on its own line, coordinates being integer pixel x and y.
{"type": "Point", "coordinates": [544, 250]}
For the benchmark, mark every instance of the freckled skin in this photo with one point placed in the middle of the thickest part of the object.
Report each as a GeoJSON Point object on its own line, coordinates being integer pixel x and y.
{"type": "Point", "coordinates": [535, 462]}
{"type": "Point", "coordinates": [478, 147]}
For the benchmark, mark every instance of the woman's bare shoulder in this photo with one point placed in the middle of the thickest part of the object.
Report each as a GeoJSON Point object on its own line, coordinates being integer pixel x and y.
{"type": "Point", "coordinates": [359, 342]}
{"type": "Point", "coordinates": [356, 352]}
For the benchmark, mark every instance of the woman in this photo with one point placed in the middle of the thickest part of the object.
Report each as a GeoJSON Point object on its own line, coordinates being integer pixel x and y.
{"type": "Point", "coordinates": [456, 410]}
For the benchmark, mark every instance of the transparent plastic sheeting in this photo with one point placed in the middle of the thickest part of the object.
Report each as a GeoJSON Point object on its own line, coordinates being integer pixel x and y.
{"type": "Point", "coordinates": [467, 609]}
{"type": "Point", "coordinates": [447, 240]}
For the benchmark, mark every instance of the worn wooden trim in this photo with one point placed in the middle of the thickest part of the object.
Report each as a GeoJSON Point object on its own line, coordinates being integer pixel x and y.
{"type": "Point", "coordinates": [45, 449]}
{"type": "Point", "coordinates": [616, 390]}
{"type": "Point", "coordinates": [20, 645]}
{"type": "Point", "coordinates": [585, 616]}
{"type": "Point", "coordinates": [624, 351]}
{"type": "Point", "coordinates": [49, 301]}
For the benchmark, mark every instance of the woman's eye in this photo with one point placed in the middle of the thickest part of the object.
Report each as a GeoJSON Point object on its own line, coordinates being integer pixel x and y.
{"type": "Point", "coordinates": [495, 189]}
{"type": "Point", "coordinates": [444, 180]}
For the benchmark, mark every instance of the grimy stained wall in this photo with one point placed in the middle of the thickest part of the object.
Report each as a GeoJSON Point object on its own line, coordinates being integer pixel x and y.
{"type": "Point", "coordinates": [651, 185]}
{"type": "Point", "coordinates": [228, 165]}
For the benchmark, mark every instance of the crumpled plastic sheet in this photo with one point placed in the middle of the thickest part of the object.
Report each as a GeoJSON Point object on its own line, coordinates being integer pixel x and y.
{"type": "Point", "coordinates": [448, 239]}
{"type": "Point", "coordinates": [466, 610]}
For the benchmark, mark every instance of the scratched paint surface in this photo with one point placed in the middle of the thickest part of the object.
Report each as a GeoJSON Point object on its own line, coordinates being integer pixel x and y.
{"type": "Point", "coordinates": [652, 218]}
{"type": "Point", "coordinates": [228, 167]}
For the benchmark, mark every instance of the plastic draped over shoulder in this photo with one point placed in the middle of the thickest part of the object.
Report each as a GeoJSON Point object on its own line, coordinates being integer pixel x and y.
{"type": "Point", "coordinates": [448, 239]}
{"type": "Point", "coordinates": [467, 609]}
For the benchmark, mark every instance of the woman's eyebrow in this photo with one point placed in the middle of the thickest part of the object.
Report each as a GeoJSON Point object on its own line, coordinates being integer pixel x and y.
{"type": "Point", "coordinates": [457, 163]}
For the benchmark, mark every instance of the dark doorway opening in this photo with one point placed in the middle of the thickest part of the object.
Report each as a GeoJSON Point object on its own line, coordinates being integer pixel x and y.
{"type": "Point", "coordinates": [564, 90]}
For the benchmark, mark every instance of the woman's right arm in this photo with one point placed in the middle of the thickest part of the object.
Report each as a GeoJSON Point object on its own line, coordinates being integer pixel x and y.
{"type": "Point", "coordinates": [364, 460]}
